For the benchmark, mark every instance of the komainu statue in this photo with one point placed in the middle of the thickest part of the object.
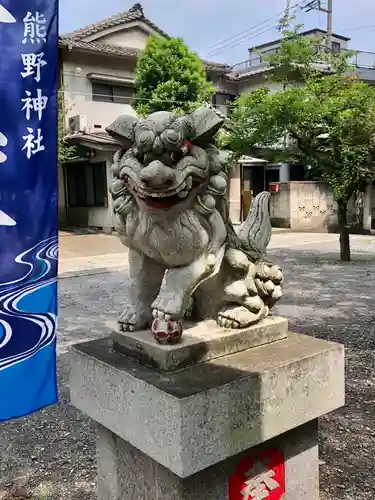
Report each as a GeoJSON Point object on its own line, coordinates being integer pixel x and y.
{"type": "Point", "coordinates": [186, 260]}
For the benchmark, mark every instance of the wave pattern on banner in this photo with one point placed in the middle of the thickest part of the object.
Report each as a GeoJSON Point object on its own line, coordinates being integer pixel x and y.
{"type": "Point", "coordinates": [22, 302]}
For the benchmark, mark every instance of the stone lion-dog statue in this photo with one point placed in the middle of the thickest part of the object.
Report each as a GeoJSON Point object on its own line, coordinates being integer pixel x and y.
{"type": "Point", "coordinates": [169, 191]}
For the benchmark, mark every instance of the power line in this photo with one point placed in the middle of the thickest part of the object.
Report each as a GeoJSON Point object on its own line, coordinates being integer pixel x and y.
{"type": "Point", "coordinates": [249, 30]}
{"type": "Point", "coordinates": [245, 37]}
{"type": "Point", "coordinates": [241, 40]}
{"type": "Point", "coordinates": [256, 26]}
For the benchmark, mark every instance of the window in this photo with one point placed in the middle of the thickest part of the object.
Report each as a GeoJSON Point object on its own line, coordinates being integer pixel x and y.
{"type": "Point", "coordinates": [118, 94]}
{"type": "Point", "coordinates": [297, 172]}
{"type": "Point", "coordinates": [87, 184]}
{"type": "Point", "coordinates": [336, 47]}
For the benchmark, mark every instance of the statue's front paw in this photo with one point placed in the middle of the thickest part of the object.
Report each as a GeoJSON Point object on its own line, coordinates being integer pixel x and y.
{"type": "Point", "coordinates": [240, 317]}
{"type": "Point", "coordinates": [169, 306]}
{"type": "Point", "coordinates": [134, 318]}
{"type": "Point", "coordinates": [267, 281]}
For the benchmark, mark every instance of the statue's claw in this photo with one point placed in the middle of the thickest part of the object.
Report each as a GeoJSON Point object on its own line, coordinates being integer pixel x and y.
{"type": "Point", "coordinates": [226, 322]}
{"type": "Point", "coordinates": [134, 318]}
{"type": "Point", "coordinates": [170, 304]}
{"type": "Point", "coordinates": [158, 314]}
{"type": "Point", "coordinates": [240, 317]}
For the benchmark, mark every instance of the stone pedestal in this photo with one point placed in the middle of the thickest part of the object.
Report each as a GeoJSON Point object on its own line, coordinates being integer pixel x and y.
{"type": "Point", "coordinates": [183, 434]}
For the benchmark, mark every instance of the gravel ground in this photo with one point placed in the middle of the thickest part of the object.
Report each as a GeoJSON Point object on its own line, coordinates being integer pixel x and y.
{"type": "Point", "coordinates": [51, 455]}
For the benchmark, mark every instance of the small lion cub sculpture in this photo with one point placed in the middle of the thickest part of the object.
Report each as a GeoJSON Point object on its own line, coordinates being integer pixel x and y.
{"type": "Point", "coordinates": [170, 197]}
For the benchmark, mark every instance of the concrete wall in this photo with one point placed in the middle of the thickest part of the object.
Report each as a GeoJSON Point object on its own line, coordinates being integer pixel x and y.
{"type": "Point", "coordinates": [312, 207]}
{"type": "Point", "coordinates": [307, 206]}
{"type": "Point", "coordinates": [280, 206]}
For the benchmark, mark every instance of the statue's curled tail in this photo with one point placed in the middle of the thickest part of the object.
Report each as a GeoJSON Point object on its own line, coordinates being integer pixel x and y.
{"type": "Point", "coordinates": [256, 283]}
{"type": "Point", "coordinates": [256, 231]}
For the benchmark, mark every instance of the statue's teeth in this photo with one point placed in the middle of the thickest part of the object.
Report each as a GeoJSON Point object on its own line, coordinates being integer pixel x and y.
{"type": "Point", "coordinates": [183, 194]}
{"type": "Point", "coordinates": [189, 183]}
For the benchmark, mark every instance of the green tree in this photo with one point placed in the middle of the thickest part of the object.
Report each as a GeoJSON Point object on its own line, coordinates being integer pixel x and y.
{"type": "Point", "coordinates": [170, 77]}
{"type": "Point", "coordinates": [328, 123]}
{"type": "Point", "coordinates": [301, 58]}
{"type": "Point", "coordinates": [64, 152]}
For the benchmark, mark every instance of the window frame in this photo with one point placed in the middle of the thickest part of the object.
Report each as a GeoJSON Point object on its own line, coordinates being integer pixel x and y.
{"type": "Point", "coordinates": [113, 95]}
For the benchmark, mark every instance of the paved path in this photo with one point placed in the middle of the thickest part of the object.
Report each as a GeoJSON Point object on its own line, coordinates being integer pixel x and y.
{"type": "Point", "coordinates": [54, 450]}
{"type": "Point", "coordinates": [98, 253]}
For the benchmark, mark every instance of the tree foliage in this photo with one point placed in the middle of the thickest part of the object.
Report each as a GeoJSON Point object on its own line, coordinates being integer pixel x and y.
{"type": "Point", "coordinates": [170, 77]}
{"type": "Point", "coordinates": [328, 124]}
{"type": "Point", "coordinates": [301, 58]}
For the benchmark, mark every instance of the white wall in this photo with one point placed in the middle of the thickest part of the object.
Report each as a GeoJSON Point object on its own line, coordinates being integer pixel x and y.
{"type": "Point", "coordinates": [78, 93]}
{"type": "Point", "coordinates": [234, 194]}
{"type": "Point", "coordinates": [133, 37]}
{"type": "Point", "coordinates": [255, 83]}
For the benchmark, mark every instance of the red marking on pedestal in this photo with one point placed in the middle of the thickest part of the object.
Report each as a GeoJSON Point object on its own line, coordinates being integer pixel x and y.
{"type": "Point", "coordinates": [259, 477]}
{"type": "Point", "coordinates": [274, 187]}
{"type": "Point", "coordinates": [167, 331]}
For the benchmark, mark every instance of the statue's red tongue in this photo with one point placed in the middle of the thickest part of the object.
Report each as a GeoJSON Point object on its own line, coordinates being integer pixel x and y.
{"type": "Point", "coordinates": [166, 202]}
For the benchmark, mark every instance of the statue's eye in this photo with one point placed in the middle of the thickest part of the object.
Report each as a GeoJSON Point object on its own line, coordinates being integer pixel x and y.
{"type": "Point", "coordinates": [138, 153]}
{"type": "Point", "coordinates": [176, 156]}
{"type": "Point", "coordinates": [146, 158]}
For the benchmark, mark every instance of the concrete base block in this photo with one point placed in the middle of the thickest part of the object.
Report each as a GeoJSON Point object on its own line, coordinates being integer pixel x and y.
{"type": "Point", "coordinates": [126, 473]}
{"type": "Point", "coordinates": [201, 342]}
{"type": "Point", "coordinates": [192, 419]}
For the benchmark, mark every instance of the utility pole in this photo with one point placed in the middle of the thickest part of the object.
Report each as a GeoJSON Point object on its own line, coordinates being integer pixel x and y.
{"type": "Point", "coordinates": [317, 5]}
{"type": "Point", "coordinates": [329, 26]}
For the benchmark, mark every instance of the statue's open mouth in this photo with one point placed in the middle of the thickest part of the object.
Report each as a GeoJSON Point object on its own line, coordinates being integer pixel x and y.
{"type": "Point", "coordinates": [166, 199]}
{"type": "Point", "coordinates": [163, 202]}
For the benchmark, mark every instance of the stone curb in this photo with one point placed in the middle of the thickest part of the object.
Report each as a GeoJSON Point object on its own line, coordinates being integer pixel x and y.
{"type": "Point", "coordinates": [89, 272]}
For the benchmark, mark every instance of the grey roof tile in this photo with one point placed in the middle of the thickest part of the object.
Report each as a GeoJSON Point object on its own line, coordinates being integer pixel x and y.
{"type": "Point", "coordinates": [135, 13]}
{"type": "Point", "coordinates": [117, 50]}
{"type": "Point", "coordinates": [96, 47]}
{"type": "Point", "coordinates": [75, 39]}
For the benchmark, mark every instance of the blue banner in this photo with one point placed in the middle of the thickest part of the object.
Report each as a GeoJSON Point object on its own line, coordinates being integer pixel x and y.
{"type": "Point", "coordinates": [28, 205]}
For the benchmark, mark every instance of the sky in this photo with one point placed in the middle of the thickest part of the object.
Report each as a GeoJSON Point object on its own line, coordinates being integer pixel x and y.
{"type": "Point", "coordinates": [222, 30]}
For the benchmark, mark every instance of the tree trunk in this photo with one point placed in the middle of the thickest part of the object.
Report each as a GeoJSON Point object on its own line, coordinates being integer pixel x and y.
{"type": "Point", "coordinates": [344, 232]}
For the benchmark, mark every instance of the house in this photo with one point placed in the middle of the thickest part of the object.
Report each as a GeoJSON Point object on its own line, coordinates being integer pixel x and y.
{"type": "Point", "coordinates": [252, 74]}
{"type": "Point", "coordinates": [98, 72]}
{"type": "Point", "coordinates": [300, 204]}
